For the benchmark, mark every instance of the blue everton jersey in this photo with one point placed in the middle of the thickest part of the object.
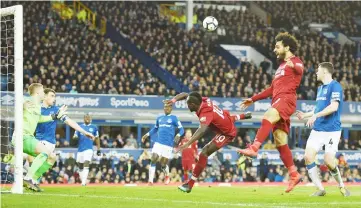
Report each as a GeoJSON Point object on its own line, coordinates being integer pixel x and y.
{"type": "Point", "coordinates": [325, 95]}
{"type": "Point", "coordinates": [84, 142]}
{"type": "Point", "coordinates": [46, 131]}
{"type": "Point", "coordinates": [166, 127]}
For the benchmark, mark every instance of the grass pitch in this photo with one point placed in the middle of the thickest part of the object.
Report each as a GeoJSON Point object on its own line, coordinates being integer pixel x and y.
{"type": "Point", "coordinates": [169, 197]}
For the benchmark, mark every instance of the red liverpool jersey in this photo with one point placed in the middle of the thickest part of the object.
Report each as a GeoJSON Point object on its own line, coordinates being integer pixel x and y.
{"type": "Point", "coordinates": [287, 79]}
{"type": "Point", "coordinates": [218, 120]}
{"type": "Point", "coordinates": [189, 153]}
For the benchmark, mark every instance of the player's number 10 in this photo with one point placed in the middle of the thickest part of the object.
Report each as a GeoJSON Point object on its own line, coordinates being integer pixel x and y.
{"type": "Point", "coordinates": [219, 111]}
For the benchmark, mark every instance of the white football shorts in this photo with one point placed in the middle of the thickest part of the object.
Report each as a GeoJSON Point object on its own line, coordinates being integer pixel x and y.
{"type": "Point", "coordinates": [86, 155]}
{"type": "Point", "coordinates": [162, 150]}
{"type": "Point", "coordinates": [318, 139]}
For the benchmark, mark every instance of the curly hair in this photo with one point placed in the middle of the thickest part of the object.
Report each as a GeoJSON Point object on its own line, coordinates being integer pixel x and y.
{"type": "Point", "coordinates": [288, 40]}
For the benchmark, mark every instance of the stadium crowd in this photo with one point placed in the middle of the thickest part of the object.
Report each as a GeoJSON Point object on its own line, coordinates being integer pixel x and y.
{"type": "Point", "coordinates": [191, 58]}
{"type": "Point", "coordinates": [89, 63]}
{"type": "Point", "coordinates": [68, 56]}
{"type": "Point", "coordinates": [301, 13]}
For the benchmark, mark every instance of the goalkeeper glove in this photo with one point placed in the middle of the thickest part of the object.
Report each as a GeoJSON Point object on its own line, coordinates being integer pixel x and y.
{"type": "Point", "coordinates": [61, 115]}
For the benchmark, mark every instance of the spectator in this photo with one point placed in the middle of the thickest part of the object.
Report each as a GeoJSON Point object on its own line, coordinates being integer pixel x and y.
{"type": "Point", "coordinates": [132, 141]}
{"type": "Point", "coordinates": [70, 161]}
{"type": "Point", "coordinates": [269, 145]}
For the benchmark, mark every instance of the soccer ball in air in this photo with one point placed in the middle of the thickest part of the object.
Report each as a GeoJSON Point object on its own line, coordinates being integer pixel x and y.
{"type": "Point", "coordinates": [210, 23]}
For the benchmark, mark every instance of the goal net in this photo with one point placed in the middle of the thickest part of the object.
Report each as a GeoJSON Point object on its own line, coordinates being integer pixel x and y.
{"type": "Point", "coordinates": [11, 99]}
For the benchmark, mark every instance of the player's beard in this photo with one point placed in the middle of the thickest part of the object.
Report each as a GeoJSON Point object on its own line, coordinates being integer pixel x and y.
{"type": "Point", "coordinates": [280, 57]}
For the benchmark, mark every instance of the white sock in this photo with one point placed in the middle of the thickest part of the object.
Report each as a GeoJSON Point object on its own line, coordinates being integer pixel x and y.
{"type": "Point", "coordinates": [84, 175]}
{"type": "Point", "coordinates": [166, 170]}
{"type": "Point", "coordinates": [312, 172]}
{"type": "Point", "coordinates": [336, 174]}
{"type": "Point", "coordinates": [151, 173]}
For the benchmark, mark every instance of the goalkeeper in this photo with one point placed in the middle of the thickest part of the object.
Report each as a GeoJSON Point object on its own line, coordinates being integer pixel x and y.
{"type": "Point", "coordinates": [45, 132]}
{"type": "Point", "coordinates": [31, 146]}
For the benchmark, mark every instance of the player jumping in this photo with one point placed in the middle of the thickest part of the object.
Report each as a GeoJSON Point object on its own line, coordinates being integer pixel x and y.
{"type": "Point", "coordinates": [85, 147]}
{"type": "Point", "coordinates": [31, 146]}
{"type": "Point", "coordinates": [162, 150]}
{"type": "Point", "coordinates": [326, 131]}
{"type": "Point", "coordinates": [210, 117]}
{"type": "Point", "coordinates": [277, 118]}
{"type": "Point", "coordinates": [45, 132]}
{"type": "Point", "coordinates": [189, 155]}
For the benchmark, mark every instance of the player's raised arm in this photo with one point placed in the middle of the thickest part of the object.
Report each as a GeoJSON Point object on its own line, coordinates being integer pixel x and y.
{"type": "Point", "coordinates": [61, 114]}
{"type": "Point", "coordinates": [199, 134]}
{"type": "Point", "coordinates": [297, 66]}
{"type": "Point", "coordinates": [260, 96]}
{"type": "Point", "coordinates": [76, 126]}
{"type": "Point", "coordinates": [179, 97]}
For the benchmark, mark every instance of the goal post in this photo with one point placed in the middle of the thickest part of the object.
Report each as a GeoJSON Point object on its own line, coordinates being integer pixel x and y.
{"type": "Point", "coordinates": [16, 12]}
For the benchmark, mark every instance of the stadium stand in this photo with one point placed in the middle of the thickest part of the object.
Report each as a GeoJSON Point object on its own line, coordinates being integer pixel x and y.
{"type": "Point", "coordinates": [300, 14]}
{"type": "Point", "coordinates": [68, 57]}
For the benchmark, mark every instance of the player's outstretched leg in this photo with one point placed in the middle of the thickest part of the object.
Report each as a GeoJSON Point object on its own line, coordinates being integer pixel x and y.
{"type": "Point", "coordinates": [270, 117]}
{"type": "Point", "coordinates": [335, 172]}
{"type": "Point", "coordinates": [201, 164]}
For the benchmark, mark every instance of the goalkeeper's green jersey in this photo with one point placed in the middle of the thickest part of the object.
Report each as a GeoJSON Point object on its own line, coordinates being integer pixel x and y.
{"type": "Point", "coordinates": [32, 116]}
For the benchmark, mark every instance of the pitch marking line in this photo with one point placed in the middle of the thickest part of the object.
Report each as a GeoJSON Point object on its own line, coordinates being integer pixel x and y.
{"type": "Point", "coordinates": [201, 202]}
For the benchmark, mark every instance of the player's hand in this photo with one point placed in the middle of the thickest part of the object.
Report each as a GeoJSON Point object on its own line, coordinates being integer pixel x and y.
{"type": "Point", "coordinates": [176, 139]}
{"type": "Point", "coordinates": [300, 115]}
{"type": "Point", "coordinates": [98, 152]}
{"type": "Point", "coordinates": [311, 121]}
{"type": "Point", "coordinates": [61, 112]}
{"type": "Point", "coordinates": [196, 158]}
{"type": "Point", "coordinates": [290, 63]}
{"type": "Point", "coordinates": [28, 104]}
{"type": "Point", "coordinates": [144, 138]}
{"type": "Point", "coordinates": [168, 102]}
{"type": "Point", "coordinates": [248, 115]}
{"type": "Point", "coordinates": [247, 102]}
{"type": "Point", "coordinates": [89, 135]}
{"type": "Point", "coordinates": [181, 148]}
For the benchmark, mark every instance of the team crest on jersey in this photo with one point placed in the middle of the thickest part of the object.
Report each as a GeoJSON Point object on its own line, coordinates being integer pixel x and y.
{"type": "Point", "coordinates": [169, 120]}
{"type": "Point", "coordinates": [325, 91]}
{"type": "Point", "coordinates": [202, 119]}
{"type": "Point", "coordinates": [90, 129]}
{"type": "Point", "coordinates": [51, 112]}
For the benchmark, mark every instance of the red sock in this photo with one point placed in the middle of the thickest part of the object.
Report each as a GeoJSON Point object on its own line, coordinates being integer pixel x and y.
{"type": "Point", "coordinates": [201, 164]}
{"type": "Point", "coordinates": [287, 159]}
{"type": "Point", "coordinates": [262, 134]}
{"type": "Point", "coordinates": [185, 175]}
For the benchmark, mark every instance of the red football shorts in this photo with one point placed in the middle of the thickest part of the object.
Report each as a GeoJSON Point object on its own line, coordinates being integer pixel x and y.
{"type": "Point", "coordinates": [221, 140]}
{"type": "Point", "coordinates": [188, 164]}
{"type": "Point", "coordinates": [285, 107]}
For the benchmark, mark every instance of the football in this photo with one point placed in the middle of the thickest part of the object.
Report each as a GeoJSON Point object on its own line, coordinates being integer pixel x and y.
{"type": "Point", "coordinates": [210, 23]}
